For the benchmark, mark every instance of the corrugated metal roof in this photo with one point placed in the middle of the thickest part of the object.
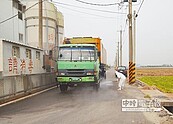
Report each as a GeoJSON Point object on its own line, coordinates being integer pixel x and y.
{"type": "Point", "coordinates": [21, 44]}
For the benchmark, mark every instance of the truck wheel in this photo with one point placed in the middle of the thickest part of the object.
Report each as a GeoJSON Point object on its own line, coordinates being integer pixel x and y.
{"type": "Point", "coordinates": [71, 85]}
{"type": "Point", "coordinates": [105, 75]}
{"type": "Point", "coordinates": [63, 88]}
{"type": "Point", "coordinates": [97, 86]}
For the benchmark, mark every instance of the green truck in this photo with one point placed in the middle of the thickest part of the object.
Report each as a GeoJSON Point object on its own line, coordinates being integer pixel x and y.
{"type": "Point", "coordinates": [78, 64]}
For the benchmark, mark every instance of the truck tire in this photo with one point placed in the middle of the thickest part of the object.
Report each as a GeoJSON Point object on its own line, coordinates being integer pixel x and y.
{"type": "Point", "coordinates": [105, 75]}
{"type": "Point", "coordinates": [97, 86]}
{"type": "Point", "coordinates": [63, 88]}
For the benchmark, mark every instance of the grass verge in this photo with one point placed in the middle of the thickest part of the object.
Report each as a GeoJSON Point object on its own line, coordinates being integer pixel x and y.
{"type": "Point", "coordinates": [163, 83]}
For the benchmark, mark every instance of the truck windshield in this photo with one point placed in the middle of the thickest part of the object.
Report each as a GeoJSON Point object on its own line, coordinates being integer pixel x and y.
{"type": "Point", "coordinates": [65, 54]}
{"type": "Point", "coordinates": [87, 54]}
{"type": "Point", "coordinates": [77, 53]}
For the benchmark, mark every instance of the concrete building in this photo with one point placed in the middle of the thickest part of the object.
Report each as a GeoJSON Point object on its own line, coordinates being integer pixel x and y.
{"type": "Point", "coordinates": [20, 23]}
{"type": "Point", "coordinates": [25, 67]}
{"type": "Point", "coordinates": [23, 59]}
{"type": "Point", "coordinates": [21, 70]}
{"type": "Point", "coordinates": [12, 20]}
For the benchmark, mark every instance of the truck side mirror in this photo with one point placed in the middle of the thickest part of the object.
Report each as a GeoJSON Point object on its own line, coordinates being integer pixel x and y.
{"type": "Point", "coordinates": [53, 53]}
{"type": "Point", "coordinates": [50, 54]}
{"type": "Point", "coordinates": [60, 56]}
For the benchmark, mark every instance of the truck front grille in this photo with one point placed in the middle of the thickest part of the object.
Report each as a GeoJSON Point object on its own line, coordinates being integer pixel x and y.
{"type": "Point", "coordinates": [75, 72]}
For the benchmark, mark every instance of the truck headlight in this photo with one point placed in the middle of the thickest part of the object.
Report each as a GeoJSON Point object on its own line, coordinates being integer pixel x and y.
{"type": "Point", "coordinates": [90, 73]}
{"type": "Point", "coordinates": [57, 73]}
{"type": "Point", "coordinates": [61, 73]}
{"type": "Point", "coordinates": [95, 72]}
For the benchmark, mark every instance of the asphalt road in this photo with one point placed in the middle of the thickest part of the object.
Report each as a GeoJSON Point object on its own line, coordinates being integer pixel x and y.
{"type": "Point", "coordinates": [79, 105]}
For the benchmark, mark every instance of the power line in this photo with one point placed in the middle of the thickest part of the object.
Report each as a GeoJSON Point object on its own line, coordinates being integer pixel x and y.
{"type": "Point", "coordinates": [136, 16]}
{"type": "Point", "coordinates": [119, 21]}
{"type": "Point", "coordinates": [22, 12]}
{"type": "Point", "coordinates": [8, 19]}
{"type": "Point", "coordinates": [87, 13]}
{"type": "Point", "coordinates": [139, 8]}
{"type": "Point", "coordinates": [89, 8]}
{"type": "Point", "coordinates": [134, 4]}
{"type": "Point", "coordinates": [97, 4]}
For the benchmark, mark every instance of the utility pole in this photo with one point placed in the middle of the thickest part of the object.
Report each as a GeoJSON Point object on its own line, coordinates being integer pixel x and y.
{"type": "Point", "coordinates": [118, 56]}
{"type": "Point", "coordinates": [116, 60]}
{"type": "Point", "coordinates": [121, 47]}
{"type": "Point", "coordinates": [131, 58]}
{"type": "Point", "coordinates": [40, 24]}
{"type": "Point", "coordinates": [134, 41]}
{"type": "Point", "coordinates": [134, 44]}
{"type": "Point", "coordinates": [121, 53]}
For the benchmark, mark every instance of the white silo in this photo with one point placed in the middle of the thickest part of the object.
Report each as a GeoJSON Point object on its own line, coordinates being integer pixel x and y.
{"type": "Point", "coordinates": [49, 25]}
{"type": "Point", "coordinates": [50, 29]}
{"type": "Point", "coordinates": [60, 19]}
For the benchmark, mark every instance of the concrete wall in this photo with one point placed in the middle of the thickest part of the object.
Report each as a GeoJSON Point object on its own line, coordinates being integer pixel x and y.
{"type": "Point", "coordinates": [13, 86]}
{"type": "Point", "coordinates": [21, 75]}
{"type": "Point", "coordinates": [13, 65]}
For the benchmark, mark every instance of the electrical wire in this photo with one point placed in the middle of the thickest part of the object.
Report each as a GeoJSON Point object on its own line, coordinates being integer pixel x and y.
{"type": "Point", "coordinates": [22, 12]}
{"type": "Point", "coordinates": [139, 8]}
{"type": "Point", "coordinates": [88, 8]}
{"type": "Point", "coordinates": [120, 22]}
{"type": "Point", "coordinates": [136, 16]}
{"type": "Point", "coordinates": [97, 4]}
{"type": "Point", "coordinates": [134, 4]}
{"type": "Point", "coordinates": [8, 19]}
{"type": "Point", "coordinates": [86, 12]}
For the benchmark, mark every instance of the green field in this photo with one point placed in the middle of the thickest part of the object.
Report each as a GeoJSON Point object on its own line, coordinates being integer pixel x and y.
{"type": "Point", "coordinates": [163, 83]}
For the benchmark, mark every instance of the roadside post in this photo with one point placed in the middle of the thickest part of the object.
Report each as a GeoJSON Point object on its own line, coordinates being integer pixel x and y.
{"type": "Point", "coordinates": [131, 45]}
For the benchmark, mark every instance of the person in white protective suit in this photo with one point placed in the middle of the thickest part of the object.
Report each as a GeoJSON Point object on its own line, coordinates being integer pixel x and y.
{"type": "Point", "coordinates": [122, 79]}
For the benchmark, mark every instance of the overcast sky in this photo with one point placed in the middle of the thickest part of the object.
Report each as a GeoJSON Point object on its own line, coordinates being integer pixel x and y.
{"type": "Point", "coordinates": [154, 28]}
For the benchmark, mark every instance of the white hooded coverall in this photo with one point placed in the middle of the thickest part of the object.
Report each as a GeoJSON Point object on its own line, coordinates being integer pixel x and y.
{"type": "Point", "coordinates": [122, 80]}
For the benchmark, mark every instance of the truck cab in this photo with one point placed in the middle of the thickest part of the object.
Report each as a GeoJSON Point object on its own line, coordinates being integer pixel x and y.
{"type": "Point", "coordinates": [77, 64]}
